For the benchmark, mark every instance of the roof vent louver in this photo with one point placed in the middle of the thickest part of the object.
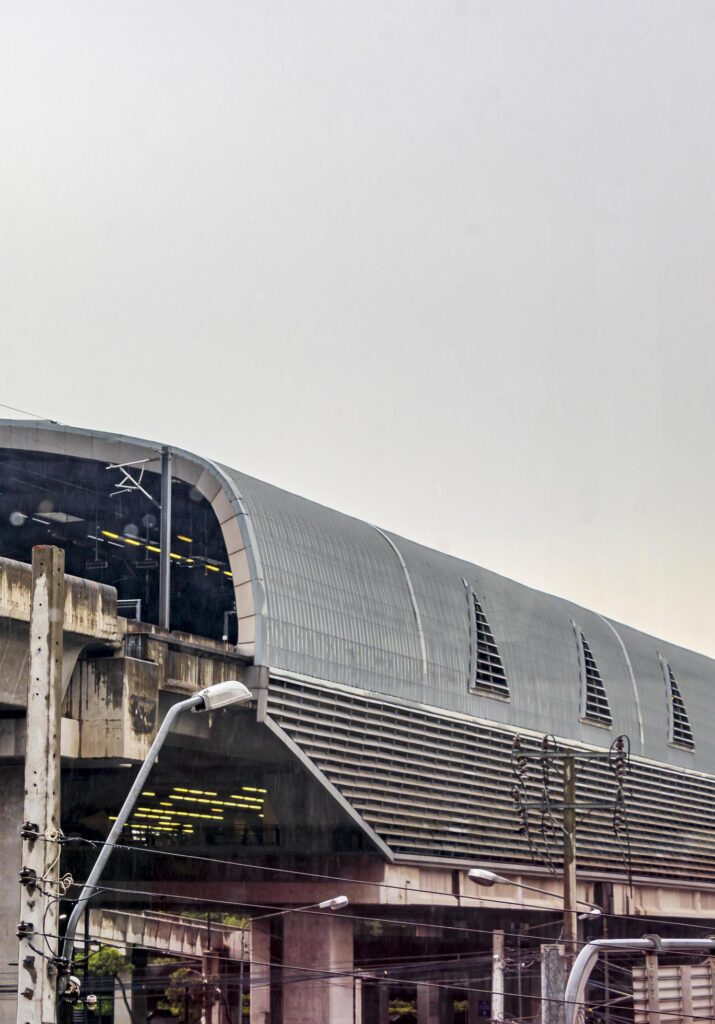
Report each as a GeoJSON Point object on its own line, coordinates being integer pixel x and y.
{"type": "Point", "coordinates": [680, 731]}
{"type": "Point", "coordinates": [595, 706]}
{"type": "Point", "coordinates": [488, 673]}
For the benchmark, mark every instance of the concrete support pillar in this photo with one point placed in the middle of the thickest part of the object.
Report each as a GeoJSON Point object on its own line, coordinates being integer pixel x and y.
{"type": "Point", "coordinates": [260, 973]}
{"type": "Point", "coordinates": [374, 998]}
{"type": "Point", "coordinates": [434, 1004]}
{"type": "Point", "coordinates": [318, 969]}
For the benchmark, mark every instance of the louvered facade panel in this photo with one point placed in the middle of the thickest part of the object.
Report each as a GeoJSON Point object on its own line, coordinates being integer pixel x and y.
{"type": "Point", "coordinates": [595, 706]}
{"type": "Point", "coordinates": [488, 669]}
{"type": "Point", "coordinates": [437, 786]}
{"type": "Point", "coordinates": [680, 731]}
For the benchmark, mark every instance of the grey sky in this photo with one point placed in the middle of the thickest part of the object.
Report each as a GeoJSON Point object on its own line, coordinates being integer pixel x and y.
{"type": "Point", "coordinates": [447, 266]}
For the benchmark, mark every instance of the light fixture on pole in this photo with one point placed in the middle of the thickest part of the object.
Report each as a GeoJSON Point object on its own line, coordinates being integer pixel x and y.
{"type": "Point", "coordinates": [210, 699]}
{"type": "Point", "coordinates": [482, 876]}
{"type": "Point", "coordinates": [335, 903]}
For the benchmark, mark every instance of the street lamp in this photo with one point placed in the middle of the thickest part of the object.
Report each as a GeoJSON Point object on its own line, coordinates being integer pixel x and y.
{"type": "Point", "coordinates": [481, 876]}
{"type": "Point", "coordinates": [219, 695]}
{"type": "Point", "coordinates": [335, 903]}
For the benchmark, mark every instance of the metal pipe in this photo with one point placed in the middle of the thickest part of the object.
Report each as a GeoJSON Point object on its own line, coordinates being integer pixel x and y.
{"type": "Point", "coordinates": [586, 960]}
{"type": "Point", "coordinates": [90, 885]}
{"type": "Point", "coordinates": [165, 541]}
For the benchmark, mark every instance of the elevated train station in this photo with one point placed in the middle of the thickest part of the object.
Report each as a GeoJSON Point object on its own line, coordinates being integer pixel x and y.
{"type": "Point", "coordinates": [377, 757]}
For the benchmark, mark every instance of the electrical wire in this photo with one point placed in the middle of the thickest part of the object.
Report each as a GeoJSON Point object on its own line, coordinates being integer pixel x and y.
{"type": "Point", "coordinates": [640, 919]}
{"type": "Point", "coordinates": [24, 412]}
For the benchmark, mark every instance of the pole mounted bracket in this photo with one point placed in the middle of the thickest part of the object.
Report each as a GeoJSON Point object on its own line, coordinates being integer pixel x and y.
{"type": "Point", "coordinates": [30, 831]}
{"type": "Point", "coordinates": [25, 929]}
{"type": "Point", "coordinates": [657, 942]}
{"type": "Point", "coordinates": [28, 877]}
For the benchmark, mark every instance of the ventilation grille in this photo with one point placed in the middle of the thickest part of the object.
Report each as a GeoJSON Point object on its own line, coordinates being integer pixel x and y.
{"type": "Point", "coordinates": [435, 786]}
{"type": "Point", "coordinates": [595, 707]}
{"type": "Point", "coordinates": [681, 732]}
{"type": "Point", "coordinates": [489, 674]}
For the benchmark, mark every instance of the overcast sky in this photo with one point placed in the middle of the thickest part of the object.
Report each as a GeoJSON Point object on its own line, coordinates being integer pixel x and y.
{"type": "Point", "coordinates": [447, 265]}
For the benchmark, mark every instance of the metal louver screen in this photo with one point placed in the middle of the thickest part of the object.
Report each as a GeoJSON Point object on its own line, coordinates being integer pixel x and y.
{"type": "Point", "coordinates": [489, 671]}
{"type": "Point", "coordinates": [596, 706]}
{"type": "Point", "coordinates": [436, 785]}
{"type": "Point", "coordinates": [682, 733]}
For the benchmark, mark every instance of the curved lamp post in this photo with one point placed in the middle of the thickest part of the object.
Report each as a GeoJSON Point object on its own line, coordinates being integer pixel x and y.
{"type": "Point", "coordinates": [213, 697]}
{"type": "Point", "coordinates": [481, 876]}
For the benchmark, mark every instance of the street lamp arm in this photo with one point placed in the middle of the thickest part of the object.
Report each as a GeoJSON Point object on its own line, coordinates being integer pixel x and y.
{"type": "Point", "coordinates": [212, 697]}
{"type": "Point", "coordinates": [480, 876]}
{"type": "Point", "coordinates": [90, 885]}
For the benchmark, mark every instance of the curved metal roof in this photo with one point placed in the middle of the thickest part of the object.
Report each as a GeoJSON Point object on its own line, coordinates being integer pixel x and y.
{"type": "Point", "coordinates": [324, 595]}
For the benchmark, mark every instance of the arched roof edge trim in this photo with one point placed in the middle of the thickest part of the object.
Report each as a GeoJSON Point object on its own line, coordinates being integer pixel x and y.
{"type": "Point", "coordinates": [226, 485]}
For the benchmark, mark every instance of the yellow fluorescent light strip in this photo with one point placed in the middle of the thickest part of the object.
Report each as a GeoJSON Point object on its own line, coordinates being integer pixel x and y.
{"type": "Point", "coordinates": [157, 551]}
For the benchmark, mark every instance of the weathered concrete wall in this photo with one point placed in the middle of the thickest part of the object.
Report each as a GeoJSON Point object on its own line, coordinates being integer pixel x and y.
{"type": "Point", "coordinates": [90, 608]}
{"type": "Point", "coordinates": [116, 703]}
{"type": "Point", "coordinates": [90, 617]}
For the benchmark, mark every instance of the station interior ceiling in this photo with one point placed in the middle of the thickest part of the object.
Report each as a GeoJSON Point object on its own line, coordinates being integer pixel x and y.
{"type": "Point", "coordinates": [108, 524]}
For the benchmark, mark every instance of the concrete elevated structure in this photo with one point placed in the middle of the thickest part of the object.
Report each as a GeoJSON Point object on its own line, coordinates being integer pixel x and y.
{"type": "Point", "coordinates": [390, 683]}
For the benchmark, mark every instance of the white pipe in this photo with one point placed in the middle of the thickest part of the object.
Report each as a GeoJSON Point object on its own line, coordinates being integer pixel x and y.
{"type": "Point", "coordinates": [586, 961]}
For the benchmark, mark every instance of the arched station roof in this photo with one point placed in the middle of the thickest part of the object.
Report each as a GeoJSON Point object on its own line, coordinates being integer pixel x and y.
{"type": "Point", "coordinates": [323, 595]}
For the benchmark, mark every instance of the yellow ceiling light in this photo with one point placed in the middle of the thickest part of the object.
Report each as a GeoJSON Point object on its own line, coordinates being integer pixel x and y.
{"type": "Point", "coordinates": [130, 540]}
{"type": "Point", "coordinates": [148, 792]}
{"type": "Point", "coordinates": [179, 789]}
{"type": "Point", "coordinates": [180, 536]}
{"type": "Point", "coordinates": [108, 533]}
{"type": "Point", "coordinates": [153, 548]}
{"type": "Point", "coordinates": [212, 568]}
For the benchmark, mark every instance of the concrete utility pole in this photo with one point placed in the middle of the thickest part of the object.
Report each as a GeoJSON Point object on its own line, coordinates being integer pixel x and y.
{"type": "Point", "coordinates": [498, 975]}
{"type": "Point", "coordinates": [39, 914]}
{"type": "Point", "coordinates": [553, 984]}
{"type": "Point", "coordinates": [569, 822]}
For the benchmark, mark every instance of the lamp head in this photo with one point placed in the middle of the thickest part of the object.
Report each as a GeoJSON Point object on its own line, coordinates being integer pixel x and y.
{"type": "Point", "coordinates": [591, 914]}
{"type": "Point", "coordinates": [480, 876]}
{"type": "Point", "coordinates": [220, 695]}
{"type": "Point", "coordinates": [335, 904]}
